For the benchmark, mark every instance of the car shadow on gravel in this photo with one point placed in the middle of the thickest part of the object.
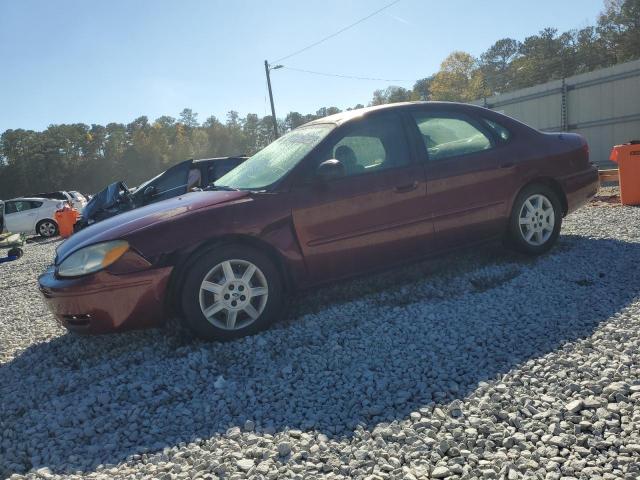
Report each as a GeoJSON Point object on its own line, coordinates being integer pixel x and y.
{"type": "Point", "coordinates": [371, 354]}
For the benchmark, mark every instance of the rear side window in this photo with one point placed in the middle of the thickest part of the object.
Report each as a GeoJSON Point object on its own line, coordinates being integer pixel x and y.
{"type": "Point", "coordinates": [447, 135]}
{"type": "Point", "coordinates": [500, 131]}
{"type": "Point", "coordinates": [35, 204]}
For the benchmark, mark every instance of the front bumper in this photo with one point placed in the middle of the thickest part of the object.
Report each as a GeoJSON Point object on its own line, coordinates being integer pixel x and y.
{"type": "Point", "coordinates": [580, 188]}
{"type": "Point", "coordinates": [105, 302]}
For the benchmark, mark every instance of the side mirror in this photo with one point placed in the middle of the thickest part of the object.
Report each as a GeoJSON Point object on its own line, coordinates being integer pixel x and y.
{"type": "Point", "coordinates": [330, 170]}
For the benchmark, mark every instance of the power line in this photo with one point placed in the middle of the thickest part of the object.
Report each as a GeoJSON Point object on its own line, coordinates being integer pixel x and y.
{"type": "Point", "coordinates": [352, 77]}
{"type": "Point", "coordinates": [337, 33]}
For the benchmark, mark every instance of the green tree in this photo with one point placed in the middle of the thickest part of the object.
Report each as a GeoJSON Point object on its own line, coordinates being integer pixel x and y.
{"type": "Point", "coordinates": [422, 89]}
{"type": "Point", "coordinates": [392, 94]}
{"type": "Point", "coordinates": [188, 118]}
{"type": "Point", "coordinates": [495, 64]}
{"type": "Point", "coordinates": [459, 79]}
{"type": "Point", "coordinates": [619, 28]}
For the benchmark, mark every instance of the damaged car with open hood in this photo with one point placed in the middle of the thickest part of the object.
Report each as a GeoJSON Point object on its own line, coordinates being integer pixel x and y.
{"type": "Point", "coordinates": [181, 178]}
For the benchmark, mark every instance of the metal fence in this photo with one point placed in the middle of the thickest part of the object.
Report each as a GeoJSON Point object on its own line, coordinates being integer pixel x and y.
{"type": "Point", "coordinates": [603, 105]}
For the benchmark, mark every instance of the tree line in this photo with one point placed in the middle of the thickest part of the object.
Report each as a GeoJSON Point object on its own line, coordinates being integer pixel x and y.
{"type": "Point", "coordinates": [86, 157]}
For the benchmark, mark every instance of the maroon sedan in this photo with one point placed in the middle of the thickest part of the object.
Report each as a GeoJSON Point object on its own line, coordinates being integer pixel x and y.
{"type": "Point", "coordinates": [337, 197]}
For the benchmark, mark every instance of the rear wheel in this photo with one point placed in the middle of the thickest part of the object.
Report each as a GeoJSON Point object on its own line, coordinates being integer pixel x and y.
{"type": "Point", "coordinates": [47, 228]}
{"type": "Point", "coordinates": [536, 219]}
{"type": "Point", "coordinates": [231, 292]}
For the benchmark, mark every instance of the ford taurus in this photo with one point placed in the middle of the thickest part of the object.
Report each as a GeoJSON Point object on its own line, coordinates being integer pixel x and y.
{"type": "Point", "coordinates": [341, 196]}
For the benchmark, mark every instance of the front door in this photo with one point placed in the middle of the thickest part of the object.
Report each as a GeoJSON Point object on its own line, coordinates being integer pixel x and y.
{"type": "Point", "coordinates": [468, 185]}
{"type": "Point", "coordinates": [372, 216]}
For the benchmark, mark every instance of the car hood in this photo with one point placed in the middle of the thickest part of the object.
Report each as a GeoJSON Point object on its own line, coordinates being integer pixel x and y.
{"type": "Point", "coordinates": [129, 222]}
{"type": "Point", "coordinates": [104, 199]}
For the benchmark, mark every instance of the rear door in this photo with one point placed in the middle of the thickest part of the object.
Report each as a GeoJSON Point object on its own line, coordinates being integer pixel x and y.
{"type": "Point", "coordinates": [469, 177]}
{"type": "Point", "coordinates": [372, 216]}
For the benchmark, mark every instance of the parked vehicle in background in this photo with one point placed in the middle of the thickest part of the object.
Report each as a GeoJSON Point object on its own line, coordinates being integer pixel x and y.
{"type": "Point", "coordinates": [59, 195]}
{"type": "Point", "coordinates": [79, 201]}
{"type": "Point", "coordinates": [30, 215]}
{"type": "Point", "coordinates": [177, 180]}
{"type": "Point", "coordinates": [341, 196]}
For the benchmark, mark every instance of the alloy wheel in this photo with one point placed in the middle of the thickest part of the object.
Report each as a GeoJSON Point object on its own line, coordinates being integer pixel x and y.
{"type": "Point", "coordinates": [233, 294]}
{"type": "Point", "coordinates": [47, 229]}
{"type": "Point", "coordinates": [536, 220]}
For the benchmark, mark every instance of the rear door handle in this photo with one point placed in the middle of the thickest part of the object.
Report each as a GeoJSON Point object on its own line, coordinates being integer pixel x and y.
{"type": "Point", "coordinates": [407, 188]}
{"type": "Point", "coordinates": [508, 165]}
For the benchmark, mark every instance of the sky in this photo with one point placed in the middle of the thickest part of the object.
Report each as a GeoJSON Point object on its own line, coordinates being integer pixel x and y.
{"type": "Point", "coordinates": [69, 61]}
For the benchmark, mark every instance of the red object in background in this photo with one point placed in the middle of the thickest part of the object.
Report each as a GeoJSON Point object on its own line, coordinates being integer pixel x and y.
{"type": "Point", "coordinates": [627, 156]}
{"type": "Point", "coordinates": [66, 218]}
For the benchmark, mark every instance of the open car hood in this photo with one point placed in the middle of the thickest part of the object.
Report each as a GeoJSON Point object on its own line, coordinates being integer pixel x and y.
{"type": "Point", "coordinates": [170, 183]}
{"type": "Point", "coordinates": [104, 200]}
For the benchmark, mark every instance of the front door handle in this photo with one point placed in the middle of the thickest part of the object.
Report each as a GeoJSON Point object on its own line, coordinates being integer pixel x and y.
{"type": "Point", "coordinates": [507, 165]}
{"type": "Point", "coordinates": [407, 188]}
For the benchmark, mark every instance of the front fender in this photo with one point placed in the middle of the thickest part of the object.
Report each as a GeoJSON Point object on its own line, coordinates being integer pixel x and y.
{"type": "Point", "coordinates": [260, 220]}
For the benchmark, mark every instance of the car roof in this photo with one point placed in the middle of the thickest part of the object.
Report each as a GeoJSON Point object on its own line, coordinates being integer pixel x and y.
{"type": "Point", "coordinates": [343, 117]}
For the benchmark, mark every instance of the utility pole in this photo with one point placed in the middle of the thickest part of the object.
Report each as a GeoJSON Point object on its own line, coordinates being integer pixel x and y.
{"type": "Point", "coordinates": [267, 69]}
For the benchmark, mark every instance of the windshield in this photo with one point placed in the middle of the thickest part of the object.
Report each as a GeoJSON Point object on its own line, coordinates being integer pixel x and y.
{"type": "Point", "coordinates": [275, 160]}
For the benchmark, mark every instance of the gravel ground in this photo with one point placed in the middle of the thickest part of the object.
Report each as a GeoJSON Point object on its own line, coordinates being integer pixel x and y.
{"type": "Point", "coordinates": [482, 364]}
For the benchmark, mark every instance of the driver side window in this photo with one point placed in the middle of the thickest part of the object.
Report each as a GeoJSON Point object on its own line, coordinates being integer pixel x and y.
{"type": "Point", "coordinates": [371, 145]}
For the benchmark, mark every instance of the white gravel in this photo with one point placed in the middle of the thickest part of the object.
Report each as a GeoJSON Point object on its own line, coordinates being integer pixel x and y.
{"type": "Point", "coordinates": [479, 365]}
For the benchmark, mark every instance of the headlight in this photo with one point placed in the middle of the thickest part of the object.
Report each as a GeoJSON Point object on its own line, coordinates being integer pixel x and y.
{"type": "Point", "coordinates": [92, 258]}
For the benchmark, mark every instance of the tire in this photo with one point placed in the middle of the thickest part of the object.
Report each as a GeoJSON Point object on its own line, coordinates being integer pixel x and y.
{"type": "Point", "coordinates": [206, 288]}
{"type": "Point", "coordinates": [533, 227]}
{"type": "Point", "coordinates": [47, 228]}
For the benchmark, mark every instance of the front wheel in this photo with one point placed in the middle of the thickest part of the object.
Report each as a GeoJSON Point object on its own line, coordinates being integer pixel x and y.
{"type": "Point", "coordinates": [535, 220]}
{"type": "Point", "coordinates": [230, 292]}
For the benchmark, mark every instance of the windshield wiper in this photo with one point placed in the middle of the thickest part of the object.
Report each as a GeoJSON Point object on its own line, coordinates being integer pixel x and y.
{"type": "Point", "coordinates": [226, 188]}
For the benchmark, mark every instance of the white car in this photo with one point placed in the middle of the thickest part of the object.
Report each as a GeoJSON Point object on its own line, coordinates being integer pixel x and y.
{"type": "Point", "coordinates": [79, 201]}
{"type": "Point", "coordinates": [30, 215]}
